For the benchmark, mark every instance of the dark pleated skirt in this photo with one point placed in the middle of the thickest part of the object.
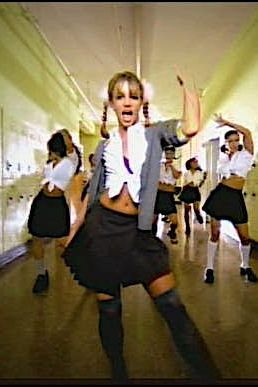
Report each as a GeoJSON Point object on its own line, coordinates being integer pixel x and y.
{"type": "Point", "coordinates": [49, 217]}
{"type": "Point", "coordinates": [165, 203]}
{"type": "Point", "coordinates": [225, 203]}
{"type": "Point", "coordinates": [190, 195]}
{"type": "Point", "coordinates": [109, 251]}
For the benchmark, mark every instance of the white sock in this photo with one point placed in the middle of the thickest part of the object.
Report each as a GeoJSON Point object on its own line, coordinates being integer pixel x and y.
{"type": "Point", "coordinates": [40, 266]}
{"type": "Point", "coordinates": [245, 255]}
{"type": "Point", "coordinates": [211, 251]}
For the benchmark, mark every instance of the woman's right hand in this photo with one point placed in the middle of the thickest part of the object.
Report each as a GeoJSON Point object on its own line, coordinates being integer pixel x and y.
{"type": "Point", "coordinates": [73, 230]}
{"type": "Point", "coordinates": [219, 120]}
{"type": "Point", "coordinates": [79, 220]}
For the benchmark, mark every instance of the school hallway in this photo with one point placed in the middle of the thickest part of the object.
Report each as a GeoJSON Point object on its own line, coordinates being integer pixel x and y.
{"type": "Point", "coordinates": [53, 338]}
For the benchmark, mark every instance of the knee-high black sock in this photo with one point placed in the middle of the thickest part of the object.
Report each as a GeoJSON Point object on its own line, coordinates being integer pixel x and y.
{"type": "Point", "coordinates": [112, 335]}
{"type": "Point", "coordinates": [154, 228]}
{"type": "Point", "coordinates": [187, 222]}
{"type": "Point", "coordinates": [172, 230]}
{"type": "Point", "coordinates": [187, 338]}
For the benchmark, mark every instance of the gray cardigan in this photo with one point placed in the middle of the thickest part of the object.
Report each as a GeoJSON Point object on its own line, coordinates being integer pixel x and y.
{"type": "Point", "coordinates": [166, 130]}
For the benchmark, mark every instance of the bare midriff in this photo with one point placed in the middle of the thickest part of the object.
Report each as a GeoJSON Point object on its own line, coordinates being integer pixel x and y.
{"type": "Point", "coordinates": [121, 203]}
{"type": "Point", "coordinates": [236, 182]}
{"type": "Point", "coordinates": [56, 192]}
{"type": "Point", "coordinates": [166, 187]}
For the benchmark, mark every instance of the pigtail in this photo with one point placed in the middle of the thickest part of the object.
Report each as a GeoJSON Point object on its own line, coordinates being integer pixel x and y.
{"type": "Point", "coordinates": [146, 114]}
{"type": "Point", "coordinates": [224, 149]}
{"type": "Point", "coordinates": [79, 165]}
{"type": "Point", "coordinates": [103, 129]}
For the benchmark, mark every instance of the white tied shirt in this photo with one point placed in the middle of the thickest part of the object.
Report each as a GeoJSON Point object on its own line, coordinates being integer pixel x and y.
{"type": "Point", "coordinates": [239, 164]}
{"type": "Point", "coordinates": [115, 169]}
{"type": "Point", "coordinates": [166, 174]}
{"type": "Point", "coordinates": [58, 175]}
{"type": "Point", "coordinates": [196, 178]}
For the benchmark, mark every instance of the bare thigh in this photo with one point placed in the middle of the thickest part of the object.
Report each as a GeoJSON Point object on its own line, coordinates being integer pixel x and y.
{"type": "Point", "coordinates": [161, 285]}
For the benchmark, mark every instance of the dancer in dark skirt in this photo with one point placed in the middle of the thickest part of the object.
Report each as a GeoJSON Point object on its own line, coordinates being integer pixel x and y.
{"type": "Point", "coordinates": [226, 201]}
{"type": "Point", "coordinates": [165, 200]}
{"type": "Point", "coordinates": [115, 246]}
{"type": "Point", "coordinates": [190, 195]}
{"type": "Point", "coordinates": [49, 215]}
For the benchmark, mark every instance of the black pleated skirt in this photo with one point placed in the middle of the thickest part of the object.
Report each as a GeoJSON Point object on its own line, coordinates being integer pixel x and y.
{"type": "Point", "coordinates": [225, 203]}
{"type": "Point", "coordinates": [109, 251]}
{"type": "Point", "coordinates": [49, 216]}
{"type": "Point", "coordinates": [190, 195]}
{"type": "Point", "coordinates": [165, 203]}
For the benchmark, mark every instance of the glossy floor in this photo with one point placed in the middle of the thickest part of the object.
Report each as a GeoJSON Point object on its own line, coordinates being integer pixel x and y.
{"type": "Point", "coordinates": [55, 337]}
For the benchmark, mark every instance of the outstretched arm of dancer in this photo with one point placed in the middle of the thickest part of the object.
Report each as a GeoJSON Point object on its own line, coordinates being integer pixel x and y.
{"type": "Point", "coordinates": [247, 135]}
{"type": "Point", "coordinates": [180, 131]}
{"type": "Point", "coordinates": [79, 220]}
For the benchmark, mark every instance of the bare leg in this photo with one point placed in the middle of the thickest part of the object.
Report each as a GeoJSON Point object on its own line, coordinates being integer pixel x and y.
{"type": "Point", "coordinates": [42, 280]}
{"type": "Point", "coordinates": [197, 212]}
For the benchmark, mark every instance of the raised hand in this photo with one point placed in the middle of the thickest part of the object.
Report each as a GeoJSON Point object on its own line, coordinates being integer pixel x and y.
{"type": "Point", "coordinates": [179, 76]}
{"type": "Point", "coordinates": [219, 120]}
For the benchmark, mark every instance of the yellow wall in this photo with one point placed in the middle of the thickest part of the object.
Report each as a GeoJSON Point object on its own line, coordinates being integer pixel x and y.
{"type": "Point", "coordinates": [36, 98]}
{"type": "Point", "coordinates": [233, 88]}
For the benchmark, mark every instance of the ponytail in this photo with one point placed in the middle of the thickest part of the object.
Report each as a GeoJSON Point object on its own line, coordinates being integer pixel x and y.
{"type": "Point", "coordinates": [78, 152]}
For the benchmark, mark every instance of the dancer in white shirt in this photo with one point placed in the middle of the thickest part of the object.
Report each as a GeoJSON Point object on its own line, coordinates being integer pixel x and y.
{"type": "Point", "coordinates": [165, 200]}
{"type": "Point", "coordinates": [190, 195]}
{"type": "Point", "coordinates": [49, 215]}
{"type": "Point", "coordinates": [226, 201]}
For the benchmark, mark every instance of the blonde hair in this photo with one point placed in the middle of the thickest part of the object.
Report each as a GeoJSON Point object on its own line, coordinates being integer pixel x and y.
{"type": "Point", "coordinates": [131, 78]}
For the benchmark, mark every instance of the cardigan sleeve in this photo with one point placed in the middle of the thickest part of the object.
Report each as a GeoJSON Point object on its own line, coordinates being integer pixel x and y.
{"type": "Point", "coordinates": [171, 132]}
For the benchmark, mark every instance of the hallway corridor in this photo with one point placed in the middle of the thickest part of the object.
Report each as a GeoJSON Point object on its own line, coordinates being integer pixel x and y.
{"type": "Point", "coordinates": [54, 338]}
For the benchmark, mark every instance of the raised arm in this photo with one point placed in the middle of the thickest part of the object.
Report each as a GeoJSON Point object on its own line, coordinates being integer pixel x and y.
{"type": "Point", "coordinates": [79, 220]}
{"type": "Point", "coordinates": [191, 116]}
{"type": "Point", "coordinates": [179, 131]}
{"type": "Point", "coordinates": [176, 173]}
{"type": "Point", "coordinates": [247, 135]}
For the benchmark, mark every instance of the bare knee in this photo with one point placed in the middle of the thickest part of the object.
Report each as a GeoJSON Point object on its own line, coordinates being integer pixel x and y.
{"type": "Point", "coordinates": [215, 230]}
{"type": "Point", "coordinates": [104, 297]}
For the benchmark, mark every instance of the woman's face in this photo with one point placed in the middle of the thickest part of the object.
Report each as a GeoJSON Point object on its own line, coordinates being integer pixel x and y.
{"type": "Point", "coordinates": [170, 154]}
{"type": "Point", "coordinates": [233, 142]}
{"type": "Point", "coordinates": [68, 141]}
{"type": "Point", "coordinates": [126, 102]}
{"type": "Point", "coordinates": [194, 164]}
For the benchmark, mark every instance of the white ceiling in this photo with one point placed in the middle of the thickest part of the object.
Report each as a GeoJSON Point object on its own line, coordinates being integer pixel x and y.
{"type": "Point", "coordinates": [96, 39]}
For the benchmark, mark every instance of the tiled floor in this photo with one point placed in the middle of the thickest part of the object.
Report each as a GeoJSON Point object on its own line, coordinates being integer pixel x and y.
{"type": "Point", "coordinates": [54, 338]}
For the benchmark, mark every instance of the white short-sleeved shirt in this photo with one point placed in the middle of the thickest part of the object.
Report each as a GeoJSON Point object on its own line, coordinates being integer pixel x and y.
{"type": "Point", "coordinates": [196, 178]}
{"type": "Point", "coordinates": [166, 174]}
{"type": "Point", "coordinates": [59, 175]}
{"type": "Point", "coordinates": [239, 164]}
